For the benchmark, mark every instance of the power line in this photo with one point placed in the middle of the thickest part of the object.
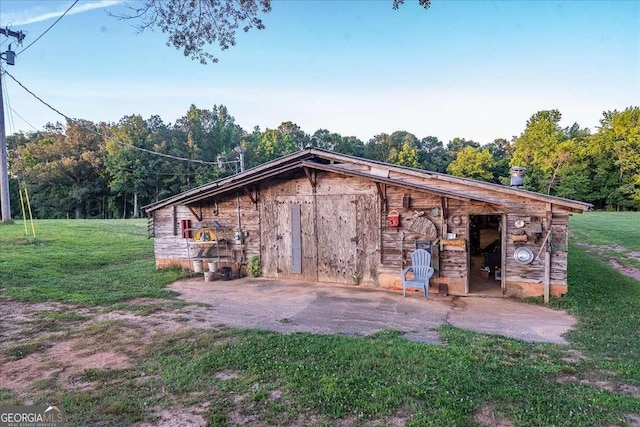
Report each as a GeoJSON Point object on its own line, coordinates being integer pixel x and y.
{"type": "Point", "coordinates": [50, 27]}
{"type": "Point", "coordinates": [23, 119]}
{"type": "Point", "coordinates": [155, 153]}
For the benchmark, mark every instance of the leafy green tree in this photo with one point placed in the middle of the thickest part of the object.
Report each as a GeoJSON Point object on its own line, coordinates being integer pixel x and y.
{"type": "Point", "coordinates": [293, 137]}
{"type": "Point", "coordinates": [473, 162]}
{"type": "Point", "coordinates": [500, 150]}
{"type": "Point", "coordinates": [192, 25]}
{"type": "Point", "coordinates": [616, 146]}
{"type": "Point", "coordinates": [457, 144]}
{"type": "Point", "coordinates": [208, 134]}
{"type": "Point", "coordinates": [324, 139]}
{"type": "Point", "coordinates": [131, 172]}
{"type": "Point", "coordinates": [542, 148]}
{"type": "Point", "coordinates": [408, 155]}
{"type": "Point", "coordinates": [432, 155]}
{"type": "Point", "coordinates": [379, 148]}
{"type": "Point", "coordinates": [62, 167]}
{"type": "Point", "coordinates": [351, 146]}
{"type": "Point", "coordinates": [387, 148]}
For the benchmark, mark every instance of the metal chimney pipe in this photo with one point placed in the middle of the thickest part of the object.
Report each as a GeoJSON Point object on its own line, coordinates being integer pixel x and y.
{"type": "Point", "coordinates": [517, 176]}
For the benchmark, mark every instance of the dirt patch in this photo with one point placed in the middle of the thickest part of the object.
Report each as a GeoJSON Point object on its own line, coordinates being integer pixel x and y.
{"type": "Point", "coordinates": [627, 270]}
{"type": "Point", "coordinates": [632, 420]}
{"type": "Point", "coordinates": [573, 356]}
{"type": "Point", "coordinates": [604, 380]}
{"type": "Point", "coordinates": [18, 317]}
{"type": "Point", "coordinates": [61, 362]}
{"type": "Point", "coordinates": [623, 252]}
{"type": "Point", "coordinates": [487, 416]}
{"type": "Point", "coordinates": [225, 375]}
{"type": "Point", "coordinates": [103, 341]}
{"type": "Point", "coordinates": [192, 416]}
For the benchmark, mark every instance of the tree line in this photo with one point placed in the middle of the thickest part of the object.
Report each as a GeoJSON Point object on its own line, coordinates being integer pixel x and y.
{"type": "Point", "coordinates": [82, 169]}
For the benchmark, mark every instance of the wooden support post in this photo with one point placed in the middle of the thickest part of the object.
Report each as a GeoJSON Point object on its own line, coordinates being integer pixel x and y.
{"type": "Point", "coordinates": [382, 191]}
{"type": "Point", "coordinates": [198, 217]}
{"type": "Point", "coordinates": [254, 200]}
{"type": "Point", "coordinates": [547, 275]}
{"type": "Point", "coordinates": [311, 177]}
{"type": "Point", "coordinates": [174, 218]}
{"type": "Point", "coordinates": [547, 256]}
{"type": "Point", "coordinates": [503, 255]}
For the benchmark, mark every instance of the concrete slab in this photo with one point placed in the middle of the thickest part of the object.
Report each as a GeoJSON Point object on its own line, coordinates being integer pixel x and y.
{"type": "Point", "coordinates": [509, 318]}
{"type": "Point", "coordinates": [291, 306]}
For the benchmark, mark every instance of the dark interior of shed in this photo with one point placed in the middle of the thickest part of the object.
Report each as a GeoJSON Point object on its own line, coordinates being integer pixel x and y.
{"type": "Point", "coordinates": [485, 248]}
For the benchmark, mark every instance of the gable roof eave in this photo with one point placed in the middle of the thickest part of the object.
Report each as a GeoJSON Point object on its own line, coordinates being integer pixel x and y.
{"type": "Point", "coordinates": [214, 185]}
{"type": "Point", "coordinates": [296, 160]}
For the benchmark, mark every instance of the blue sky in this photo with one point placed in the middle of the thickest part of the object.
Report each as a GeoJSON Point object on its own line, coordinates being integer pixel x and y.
{"type": "Point", "coordinates": [476, 70]}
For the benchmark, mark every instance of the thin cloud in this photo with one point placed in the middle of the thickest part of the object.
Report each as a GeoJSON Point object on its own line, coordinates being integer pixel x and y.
{"type": "Point", "coordinates": [32, 16]}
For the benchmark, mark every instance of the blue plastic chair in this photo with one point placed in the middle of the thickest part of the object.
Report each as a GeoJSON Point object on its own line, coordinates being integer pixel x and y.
{"type": "Point", "coordinates": [422, 272]}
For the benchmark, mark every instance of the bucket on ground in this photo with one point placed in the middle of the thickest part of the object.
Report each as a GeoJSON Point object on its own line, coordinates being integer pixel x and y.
{"type": "Point", "coordinates": [213, 266]}
{"type": "Point", "coordinates": [225, 273]}
{"type": "Point", "coordinates": [208, 276]}
{"type": "Point", "coordinates": [197, 266]}
{"type": "Point", "coordinates": [443, 289]}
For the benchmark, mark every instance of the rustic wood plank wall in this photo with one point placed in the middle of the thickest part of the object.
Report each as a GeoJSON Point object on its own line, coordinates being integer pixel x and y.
{"type": "Point", "coordinates": [399, 242]}
{"type": "Point", "coordinates": [453, 261]}
{"type": "Point", "coordinates": [340, 227]}
{"type": "Point", "coordinates": [276, 237]}
{"type": "Point", "coordinates": [166, 244]}
{"type": "Point", "coordinates": [328, 249]}
{"type": "Point", "coordinates": [170, 246]}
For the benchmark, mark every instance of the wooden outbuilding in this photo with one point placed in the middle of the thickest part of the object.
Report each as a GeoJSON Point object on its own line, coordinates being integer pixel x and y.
{"type": "Point", "coordinates": [320, 216]}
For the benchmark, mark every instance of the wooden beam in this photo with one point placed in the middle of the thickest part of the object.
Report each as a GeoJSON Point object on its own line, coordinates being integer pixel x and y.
{"type": "Point", "coordinates": [174, 217]}
{"type": "Point", "coordinates": [444, 204]}
{"type": "Point", "coordinates": [382, 191]}
{"type": "Point", "coordinates": [254, 200]}
{"type": "Point", "coordinates": [198, 217]}
{"type": "Point", "coordinates": [503, 255]}
{"type": "Point", "coordinates": [547, 255]}
{"type": "Point", "coordinates": [311, 177]}
{"type": "Point", "coordinates": [395, 182]}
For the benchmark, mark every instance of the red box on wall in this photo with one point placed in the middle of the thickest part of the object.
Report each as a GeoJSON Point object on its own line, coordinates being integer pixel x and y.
{"type": "Point", "coordinates": [393, 219]}
{"type": "Point", "coordinates": [185, 228]}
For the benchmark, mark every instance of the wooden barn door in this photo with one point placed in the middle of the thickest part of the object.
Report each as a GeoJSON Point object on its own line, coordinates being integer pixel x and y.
{"type": "Point", "coordinates": [288, 238]}
{"type": "Point", "coordinates": [335, 241]}
{"type": "Point", "coordinates": [348, 236]}
{"type": "Point", "coordinates": [337, 238]}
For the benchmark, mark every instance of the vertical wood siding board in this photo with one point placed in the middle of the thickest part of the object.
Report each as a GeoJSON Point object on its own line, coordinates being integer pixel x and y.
{"type": "Point", "coordinates": [309, 249]}
{"type": "Point", "coordinates": [336, 227]}
{"type": "Point", "coordinates": [284, 236]}
{"type": "Point", "coordinates": [268, 235]}
{"type": "Point", "coordinates": [296, 239]}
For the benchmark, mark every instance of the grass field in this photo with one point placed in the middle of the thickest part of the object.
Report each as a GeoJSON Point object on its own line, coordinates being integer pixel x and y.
{"type": "Point", "coordinates": [80, 262]}
{"type": "Point", "coordinates": [250, 377]}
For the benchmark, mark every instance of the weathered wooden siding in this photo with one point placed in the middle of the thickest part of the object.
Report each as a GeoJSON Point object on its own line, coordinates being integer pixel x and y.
{"type": "Point", "coordinates": [170, 247]}
{"type": "Point", "coordinates": [399, 242]}
{"type": "Point", "coordinates": [276, 237]}
{"type": "Point", "coordinates": [344, 232]}
{"type": "Point", "coordinates": [167, 245]}
{"type": "Point", "coordinates": [339, 223]}
{"type": "Point", "coordinates": [337, 245]}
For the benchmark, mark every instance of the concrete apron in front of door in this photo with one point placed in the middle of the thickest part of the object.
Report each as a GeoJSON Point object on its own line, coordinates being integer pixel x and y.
{"type": "Point", "coordinates": [324, 308]}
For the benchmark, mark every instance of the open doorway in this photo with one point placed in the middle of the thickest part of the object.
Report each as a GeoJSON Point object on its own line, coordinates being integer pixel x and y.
{"type": "Point", "coordinates": [485, 251]}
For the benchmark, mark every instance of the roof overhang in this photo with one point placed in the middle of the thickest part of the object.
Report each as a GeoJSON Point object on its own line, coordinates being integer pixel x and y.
{"type": "Point", "coordinates": [327, 161]}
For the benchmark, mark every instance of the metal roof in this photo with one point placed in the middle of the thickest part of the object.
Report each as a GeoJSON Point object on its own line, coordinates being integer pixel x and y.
{"type": "Point", "coordinates": [315, 158]}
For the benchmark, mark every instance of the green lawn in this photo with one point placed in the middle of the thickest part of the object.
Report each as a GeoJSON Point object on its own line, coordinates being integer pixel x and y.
{"type": "Point", "coordinates": [90, 262]}
{"type": "Point", "coordinates": [264, 378]}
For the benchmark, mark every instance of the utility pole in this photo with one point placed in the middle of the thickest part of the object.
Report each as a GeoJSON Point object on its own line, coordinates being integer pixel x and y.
{"type": "Point", "coordinates": [5, 200]}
